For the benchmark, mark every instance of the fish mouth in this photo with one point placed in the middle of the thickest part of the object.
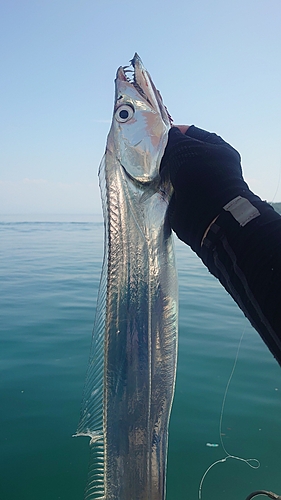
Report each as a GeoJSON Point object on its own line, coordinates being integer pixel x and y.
{"type": "Point", "coordinates": [136, 75]}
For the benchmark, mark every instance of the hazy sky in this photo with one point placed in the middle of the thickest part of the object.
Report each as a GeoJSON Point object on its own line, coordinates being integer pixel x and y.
{"type": "Point", "coordinates": [216, 63]}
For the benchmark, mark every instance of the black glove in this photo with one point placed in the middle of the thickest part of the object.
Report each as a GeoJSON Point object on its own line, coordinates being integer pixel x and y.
{"type": "Point", "coordinates": [206, 174]}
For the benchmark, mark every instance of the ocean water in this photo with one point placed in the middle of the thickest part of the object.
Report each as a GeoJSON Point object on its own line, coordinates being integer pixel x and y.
{"type": "Point", "coordinates": [50, 268]}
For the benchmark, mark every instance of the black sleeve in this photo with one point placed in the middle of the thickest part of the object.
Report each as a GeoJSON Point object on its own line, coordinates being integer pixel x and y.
{"type": "Point", "coordinates": [247, 261]}
{"type": "Point", "coordinates": [234, 232]}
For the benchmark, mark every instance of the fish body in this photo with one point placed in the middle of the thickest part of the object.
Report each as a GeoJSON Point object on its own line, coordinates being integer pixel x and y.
{"type": "Point", "coordinates": [131, 375]}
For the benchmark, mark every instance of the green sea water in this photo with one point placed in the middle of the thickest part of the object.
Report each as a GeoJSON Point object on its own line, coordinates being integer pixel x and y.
{"type": "Point", "coordinates": [50, 268]}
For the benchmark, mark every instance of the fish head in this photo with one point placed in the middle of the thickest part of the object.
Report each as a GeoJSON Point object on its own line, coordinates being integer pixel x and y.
{"type": "Point", "coordinates": [140, 124]}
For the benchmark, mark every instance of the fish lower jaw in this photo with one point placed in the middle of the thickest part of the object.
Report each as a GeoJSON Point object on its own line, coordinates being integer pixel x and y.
{"type": "Point", "coordinates": [144, 180]}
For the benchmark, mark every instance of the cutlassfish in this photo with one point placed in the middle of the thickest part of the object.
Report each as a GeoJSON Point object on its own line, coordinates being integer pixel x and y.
{"type": "Point", "coordinates": [132, 367]}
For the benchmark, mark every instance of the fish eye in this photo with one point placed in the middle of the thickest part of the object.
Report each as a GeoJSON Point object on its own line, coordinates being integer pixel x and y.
{"type": "Point", "coordinates": [124, 113]}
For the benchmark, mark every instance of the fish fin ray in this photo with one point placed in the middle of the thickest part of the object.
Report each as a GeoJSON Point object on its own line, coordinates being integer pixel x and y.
{"type": "Point", "coordinates": [91, 415]}
{"type": "Point", "coordinates": [95, 484]}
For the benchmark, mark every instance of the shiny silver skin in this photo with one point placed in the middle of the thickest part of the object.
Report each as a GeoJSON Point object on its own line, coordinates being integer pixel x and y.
{"type": "Point", "coordinates": [131, 377]}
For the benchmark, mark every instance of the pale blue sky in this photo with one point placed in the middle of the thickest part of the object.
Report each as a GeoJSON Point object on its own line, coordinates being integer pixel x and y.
{"type": "Point", "coordinates": [216, 63]}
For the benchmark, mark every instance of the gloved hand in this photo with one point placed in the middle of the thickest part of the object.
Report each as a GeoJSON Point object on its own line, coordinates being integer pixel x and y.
{"type": "Point", "coordinates": [206, 174]}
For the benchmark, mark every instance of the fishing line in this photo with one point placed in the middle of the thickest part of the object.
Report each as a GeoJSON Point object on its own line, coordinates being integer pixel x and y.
{"type": "Point", "coordinates": [251, 462]}
{"type": "Point", "coordinates": [278, 184]}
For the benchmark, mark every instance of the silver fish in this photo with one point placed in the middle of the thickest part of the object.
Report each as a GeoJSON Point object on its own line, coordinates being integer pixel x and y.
{"type": "Point", "coordinates": [131, 375]}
